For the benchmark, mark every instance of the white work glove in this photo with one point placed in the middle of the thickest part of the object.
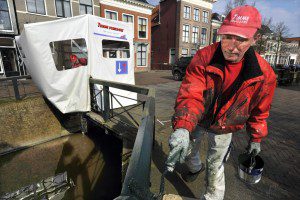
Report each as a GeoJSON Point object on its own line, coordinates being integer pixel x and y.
{"type": "Point", "coordinates": [253, 148]}
{"type": "Point", "coordinates": [179, 145]}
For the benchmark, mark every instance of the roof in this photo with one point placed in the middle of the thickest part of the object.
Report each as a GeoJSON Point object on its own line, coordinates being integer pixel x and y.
{"type": "Point", "coordinates": [216, 16]}
{"type": "Point", "coordinates": [140, 2]}
{"type": "Point", "coordinates": [155, 16]}
{"type": "Point", "coordinates": [292, 39]}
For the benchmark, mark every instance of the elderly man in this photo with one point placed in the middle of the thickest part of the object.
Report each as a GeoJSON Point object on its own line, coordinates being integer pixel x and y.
{"type": "Point", "coordinates": [227, 85]}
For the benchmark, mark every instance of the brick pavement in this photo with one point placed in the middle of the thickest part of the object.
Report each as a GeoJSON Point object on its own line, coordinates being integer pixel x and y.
{"type": "Point", "coordinates": [280, 150]}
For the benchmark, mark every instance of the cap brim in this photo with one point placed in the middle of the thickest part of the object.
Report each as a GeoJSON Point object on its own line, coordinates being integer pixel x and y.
{"type": "Point", "coordinates": [237, 30]}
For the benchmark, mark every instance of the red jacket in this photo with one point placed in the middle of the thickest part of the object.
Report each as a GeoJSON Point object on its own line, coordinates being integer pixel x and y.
{"type": "Point", "coordinates": [200, 100]}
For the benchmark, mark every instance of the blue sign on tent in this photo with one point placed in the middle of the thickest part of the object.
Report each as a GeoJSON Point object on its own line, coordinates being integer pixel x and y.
{"type": "Point", "coordinates": [121, 67]}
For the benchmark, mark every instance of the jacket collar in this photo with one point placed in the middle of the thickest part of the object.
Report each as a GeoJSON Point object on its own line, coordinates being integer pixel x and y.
{"type": "Point", "coordinates": [251, 68]}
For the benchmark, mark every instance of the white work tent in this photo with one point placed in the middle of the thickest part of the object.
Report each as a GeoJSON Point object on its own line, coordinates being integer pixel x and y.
{"type": "Point", "coordinates": [62, 55]}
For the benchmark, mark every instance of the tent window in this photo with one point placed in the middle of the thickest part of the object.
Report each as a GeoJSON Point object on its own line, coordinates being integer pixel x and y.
{"type": "Point", "coordinates": [68, 54]}
{"type": "Point", "coordinates": [115, 49]}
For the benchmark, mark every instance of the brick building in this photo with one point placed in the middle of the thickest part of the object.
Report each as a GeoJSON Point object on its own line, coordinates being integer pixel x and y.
{"type": "Point", "coordinates": [179, 28]}
{"type": "Point", "coordinates": [137, 12]}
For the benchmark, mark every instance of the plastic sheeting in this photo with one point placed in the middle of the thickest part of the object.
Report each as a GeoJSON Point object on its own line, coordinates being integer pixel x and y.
{"type": "Point", "coordinates": [51, 48]}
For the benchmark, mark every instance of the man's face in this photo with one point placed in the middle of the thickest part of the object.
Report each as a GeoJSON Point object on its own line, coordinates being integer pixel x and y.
{"type": "Point", "coordinates": [234, 47]}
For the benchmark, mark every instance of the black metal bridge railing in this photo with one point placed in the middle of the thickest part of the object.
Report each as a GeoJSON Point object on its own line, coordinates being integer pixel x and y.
{"type": "Point", "coordinates": [137, 180]}
{"type": "Point", "coordinates": [17, 87]}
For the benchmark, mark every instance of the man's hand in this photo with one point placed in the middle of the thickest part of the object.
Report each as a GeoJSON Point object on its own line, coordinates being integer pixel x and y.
{"type": "Point", "coordinates": [253, 148]}
{"type": "Point", "coordinates": [179, 144]}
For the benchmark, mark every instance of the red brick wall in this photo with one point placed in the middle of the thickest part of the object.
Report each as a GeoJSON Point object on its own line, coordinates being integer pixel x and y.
{"type": "Point", "coordinates": [136, 15]}
{"type": "Point", "coordinates": [164, 35]}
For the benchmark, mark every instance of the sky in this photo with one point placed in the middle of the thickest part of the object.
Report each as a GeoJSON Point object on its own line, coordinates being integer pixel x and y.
{"type": "Point", "coordinates": [286, 11]}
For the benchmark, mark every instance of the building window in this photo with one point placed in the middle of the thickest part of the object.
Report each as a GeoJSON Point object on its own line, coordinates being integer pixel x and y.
{"type": "Point", "coordinates": [86, 7]}
{"type": "Point", "coordinates": [184, 52]}
{"type": "Point", "coordinates": [111, 15]}
{"type": "Point", "coordinates": [203, 36]}
{"type": "Point", "coordinates": [63, 8]}
{"type": "Point", "coordinates": [193, 52]}
{"type": "Point", "coordinates": [5, 23]}
{"type": "Point", "coordinates": [127, 18]}
{"type": "Point", "coordinates": [172, 56]}
{"type": "Point", "coordinates": [141, 55]}
{"type": "Point", "coordinates": [215, 35]}
{"type": "Point", "coordinates": [185, 33]}
{"type": "Point", "coordinates": [36, 6]}
{"type": "Point", "coordinates": [143, 27]}
{"type": "Point", "coordinates": [195, 34]}
{"type": "Point", "coordinates": [205, 16]}
{"type": "Point", "coordinates": [196, 14]}
{"type": "Point", "coordinates": [186, 12]}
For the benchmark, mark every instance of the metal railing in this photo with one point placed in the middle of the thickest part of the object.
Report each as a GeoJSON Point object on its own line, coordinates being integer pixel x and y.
{"type": "Point", "coordinates": [17, 87]}
{"type": "Point", "coordinates": [106, 97]}
{"type": "Point", "coordinates": [136, 184]}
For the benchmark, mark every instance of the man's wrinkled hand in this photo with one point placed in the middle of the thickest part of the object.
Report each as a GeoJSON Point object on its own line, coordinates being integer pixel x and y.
{"type": "Point", "coordinates": [179, 145]}
{"type": "Point", "coordinates": [253, 148]}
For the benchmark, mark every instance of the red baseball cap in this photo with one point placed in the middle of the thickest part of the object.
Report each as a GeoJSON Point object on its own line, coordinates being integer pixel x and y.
{"type": "Point", "coordinates": [242, 21]}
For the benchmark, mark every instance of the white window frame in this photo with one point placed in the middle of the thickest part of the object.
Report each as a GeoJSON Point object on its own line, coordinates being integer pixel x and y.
{"type": "Point", "coordinates": [194, 16]}
{"type": "Point", "coordinates": [146, 28]}
{"type": "Point", "coordinates": [128, 15]}
{"type": "Point", "coordinates": [189, 16]}
{"type": "Point", "coordinates": [201, 39]}
{"type": "Point", "coordinates": [37, 13]}
{"type": "Point", "coordinates": [188, 33]}
{"type": "Point", "coordinates": [195, 40]}
{"type": "Point", "coordinates": [187, 54]}
{"type": "Point", "coordinates": [203, 18]}
{"type": "Point", "coordinates": [146, 55]}
{"type": "Point", "coordinates": [112, 12]}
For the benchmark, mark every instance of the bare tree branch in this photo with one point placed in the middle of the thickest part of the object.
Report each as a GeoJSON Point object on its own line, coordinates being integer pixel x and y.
{"type": "Point", "coordinates": [232, 4]}
{"type": "Point", "coordinates": [280, 31]}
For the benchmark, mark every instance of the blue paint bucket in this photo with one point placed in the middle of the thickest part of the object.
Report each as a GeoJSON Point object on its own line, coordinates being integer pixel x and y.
{"type": "Point", "coordinates": [250, 168]}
